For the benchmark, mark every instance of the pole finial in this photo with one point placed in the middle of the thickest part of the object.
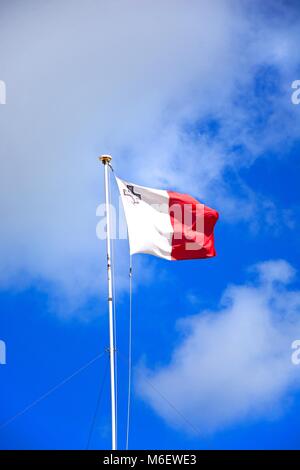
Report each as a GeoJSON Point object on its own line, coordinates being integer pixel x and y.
{"type": "Point", "coordinates": [105, 159]}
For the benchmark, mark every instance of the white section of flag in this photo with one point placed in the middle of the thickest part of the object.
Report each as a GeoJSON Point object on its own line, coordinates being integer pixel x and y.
{"type": "Point", "coordinates": [148, 219]}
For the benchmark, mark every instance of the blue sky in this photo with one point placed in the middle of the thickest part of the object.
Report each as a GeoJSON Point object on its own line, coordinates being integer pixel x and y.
{"type": "Point", "coordinates": [194, 98]}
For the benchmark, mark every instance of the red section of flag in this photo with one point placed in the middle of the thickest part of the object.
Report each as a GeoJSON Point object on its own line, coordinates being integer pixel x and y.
{"type": "Point", "coordinates": [193, 225]}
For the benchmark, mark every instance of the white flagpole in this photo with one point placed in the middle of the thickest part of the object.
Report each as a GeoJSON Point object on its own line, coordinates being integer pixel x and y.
{"type": "Point", "coordinates": [105, 159]}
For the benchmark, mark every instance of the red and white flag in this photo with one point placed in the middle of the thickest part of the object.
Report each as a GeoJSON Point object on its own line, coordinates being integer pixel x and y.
{"type": "Point", "coordinates": [167, 224]}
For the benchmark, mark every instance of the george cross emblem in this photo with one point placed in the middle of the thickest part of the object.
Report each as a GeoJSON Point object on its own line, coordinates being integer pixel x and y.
{"type": "Point", "coordinates": [135, 197]}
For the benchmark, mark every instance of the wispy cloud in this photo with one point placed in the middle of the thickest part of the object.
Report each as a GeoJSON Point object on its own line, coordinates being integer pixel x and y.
{"type": "Point", "coordinates": [171, 90]}
{"type": "Point", "coordinates": [234, 363]}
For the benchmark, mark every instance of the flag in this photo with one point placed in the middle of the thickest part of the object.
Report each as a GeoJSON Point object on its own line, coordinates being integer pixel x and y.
{"type": "Point", "coordinates": [167, 224]}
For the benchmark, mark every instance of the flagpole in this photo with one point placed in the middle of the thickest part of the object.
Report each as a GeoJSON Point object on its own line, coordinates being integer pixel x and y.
{"type": "Point", "coordinates": [105, 159]}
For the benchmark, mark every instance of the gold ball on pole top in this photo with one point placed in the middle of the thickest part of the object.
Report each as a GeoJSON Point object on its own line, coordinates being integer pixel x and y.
{"type": "Point", "coordinates": [105, 159]}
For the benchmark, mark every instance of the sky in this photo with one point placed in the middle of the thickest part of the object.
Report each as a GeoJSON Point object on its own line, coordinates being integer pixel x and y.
{"type": "Point", "coordinates": [188, 96]}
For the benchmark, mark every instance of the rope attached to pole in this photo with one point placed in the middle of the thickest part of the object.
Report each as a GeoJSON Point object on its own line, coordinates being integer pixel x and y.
{"type": "Point", "coordinates": [92, 427]}
{"type": "Point", "coordinates": [129, 353]}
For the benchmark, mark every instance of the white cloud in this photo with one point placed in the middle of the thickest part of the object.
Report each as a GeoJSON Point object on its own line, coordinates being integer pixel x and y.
{"type": "Point", "coordinates": [134, 79]}
{"type": "Point", "coordinates": [234, 363]}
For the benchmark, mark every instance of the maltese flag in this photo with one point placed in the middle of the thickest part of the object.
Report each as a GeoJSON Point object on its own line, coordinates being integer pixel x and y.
{"type": "Point", "coordinates": [167, 224]}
